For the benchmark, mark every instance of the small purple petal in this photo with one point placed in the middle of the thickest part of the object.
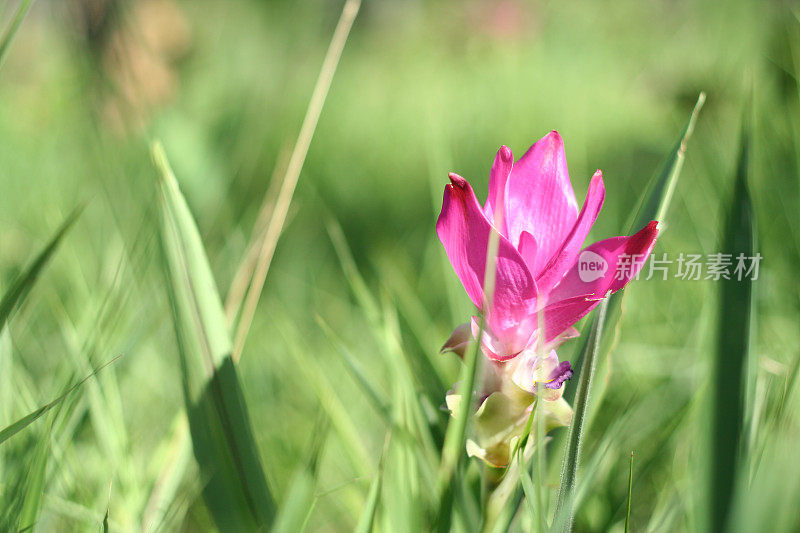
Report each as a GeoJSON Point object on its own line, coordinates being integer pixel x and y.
{"type": "Point", "coordinates": [559, 375]}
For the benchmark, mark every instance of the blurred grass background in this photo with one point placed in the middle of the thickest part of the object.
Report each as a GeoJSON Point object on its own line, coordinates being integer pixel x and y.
{"type": "Point", "coordinates": [423, 88]}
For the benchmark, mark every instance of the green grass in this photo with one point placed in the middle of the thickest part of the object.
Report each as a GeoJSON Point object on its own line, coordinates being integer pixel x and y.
{"type": "Point", "coordinates": [336, 402]}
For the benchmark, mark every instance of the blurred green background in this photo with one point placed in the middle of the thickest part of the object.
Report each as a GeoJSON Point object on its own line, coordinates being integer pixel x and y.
{"type": "Point", "coordinates": [423, 88]}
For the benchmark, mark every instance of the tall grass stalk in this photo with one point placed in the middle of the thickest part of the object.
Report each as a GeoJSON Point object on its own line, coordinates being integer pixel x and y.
{"type": "Point", "coordinates": [292, 175]}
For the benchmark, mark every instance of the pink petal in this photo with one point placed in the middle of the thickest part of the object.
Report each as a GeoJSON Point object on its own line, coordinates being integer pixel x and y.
{"type": "Point", "coordinates": [528, 250]}
{"type": "Point", "coordinates": [560, 263]}
{"type": "Point", "coordinates": [556, 319]}
{"type": "Point", "coordinates": [539, 197]}
{"type": "Point", "coordinates": [503, 162]}
{"type": "Point", "coordinates": [464, 231]}
{"type": "Point", "coordinates": [560, 316]}
{"type": "Point", "coordinates": [505, 345]}
{"type": "Point", "coordinates": [619, 259]}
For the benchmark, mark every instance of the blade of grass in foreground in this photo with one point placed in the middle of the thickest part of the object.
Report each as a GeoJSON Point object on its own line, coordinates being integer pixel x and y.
{"type": "Point", "coordinates": [237, 494]}
{"type": "Point", "coordinates": [733, 351]}
{"type": "Point", "coordinates": [20, 287]}
{"type": "Point", "coordinates": [22, 10]}
{"type": "Point", "coordinates": [252, 272]}
{"type": "Point", "coordinates": [630, 495]}
{"type": "Point", "coordinates": [653, 206]}
{"type": "Point", "coordinates": [572, 457]}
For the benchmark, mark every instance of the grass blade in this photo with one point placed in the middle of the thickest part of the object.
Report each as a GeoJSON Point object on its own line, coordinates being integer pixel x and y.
{"type": "Point", "coordinates": [656, 200]}
{"type": "Point", "coordinates": [34, 484]}
{"type": "Point", "coordinates": [733, 352]}
{"type": "Point", "coordinates": [356, 370]}
{"type": "Point", "coordinates": [5, 44]}
{"type": "Point", "coordinates": [237, 493]}
{"type": "Point", "coordinates": [20, 287]}
{"type": "Point", "coordinates": [630, 495]}
{"type": "Point", "coordinates": [275, 227]}
{"type": "Point", "coordinates": [455, 438]}
{"type": "Point", "coordinates": [299, 503]}
{"type": "Point", "coordinates": [12, 429]}
{"type": "Point", "coordinates": [572, 457]}
{"type": "Point", "coordinates": [653, 206]}
{"type": "Point", "coordinates": [531, 494]}
{"type": "Point", "coordinates": [367, 518]}
{"type": "Point", "coordinates": [300, 498]}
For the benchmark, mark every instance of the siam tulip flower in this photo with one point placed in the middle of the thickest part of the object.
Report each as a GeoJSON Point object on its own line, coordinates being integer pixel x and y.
{"type": "Point", "coordinates": [544, 281]}
{"type": "Point", "coordinates": [539, 277]}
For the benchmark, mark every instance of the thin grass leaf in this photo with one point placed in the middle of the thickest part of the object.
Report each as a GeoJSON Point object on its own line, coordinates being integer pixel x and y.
{"type": "Point", "coordinates": [654, 205]}
{"type": "Point", "coordinates": [455, 438]}
{"type": "Point", "coordinates": [531, 495]}
{"type": "Point", "coordinates": [656, 200]}
{"type": "Point", "coordinates": [356, 370]}
{"type": "Point", "coordinates": [34, 484]}
{"type": "Point", "coordinates": [22, 284]}
{"type": "Point", "coordinates": [572, 457]}
{"type": "Point", "coordinates": [630, 495]}
{"type": "Point", "coordinates": [300, 498]}
{"type": "Point", "coordinates": [367, 519]}
{"type": "Point", "coordinates": [295, 166]}
{"type": "Point", "coordinates": [11, 32]}
{"type": "Point", "coordinates": [299, 502]}
{"type": "Point", "coordinates": [320, 383]}
{"type": "Point", "coordinates": [733, 351]}
{"type": "Point", "coordinates": [357, 284]}
{"type": "Point", "coordinates": [421, 369]}
{"type": "Point", "coordinates": [12, 429]}
{"type": "Point", "coordinates": [413, 452]}
{"type": "Point", "coordinates": [236, 494]}
{"type": "Point", "coordinates": [167, 484]}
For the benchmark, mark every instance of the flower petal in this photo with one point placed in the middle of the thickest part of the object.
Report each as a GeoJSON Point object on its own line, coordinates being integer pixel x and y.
{"type": "Point", "coordinates": [539, 197]}
{"type": "Point", "coordinates": [530, 368]}
{"type": "Point", "coordinates": [503, 162]}
{"type": "Point", "coordinates": [559, 375]}
{"type": "Point", "coordinates": [528, 249]}
{"type": "Point", "coordinates": [607, 265]}
{"type": "Point", "coordinates": [459, 340]}
{"type": "Point", "coordinates": [464, 231]}
{"type": "Point", "coordinates": [558, 265]}
{"type": "Point", "coordinates": [560, 316]}
{"type": "Point", "coordinates": [504, 344]}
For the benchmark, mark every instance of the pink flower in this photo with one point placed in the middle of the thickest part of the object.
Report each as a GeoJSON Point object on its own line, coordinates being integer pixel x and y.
{"type": "Point", "coordinates": [544, 282]}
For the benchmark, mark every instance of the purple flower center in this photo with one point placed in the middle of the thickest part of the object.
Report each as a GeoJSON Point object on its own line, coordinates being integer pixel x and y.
{"type": "Point", "coordinates": [559, 375]}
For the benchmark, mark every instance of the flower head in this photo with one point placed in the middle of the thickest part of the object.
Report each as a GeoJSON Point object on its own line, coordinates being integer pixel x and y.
{"type": "Point", "coordinates": [540, 288]}
{"type": "Point", "coordinates": [544, 283]}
